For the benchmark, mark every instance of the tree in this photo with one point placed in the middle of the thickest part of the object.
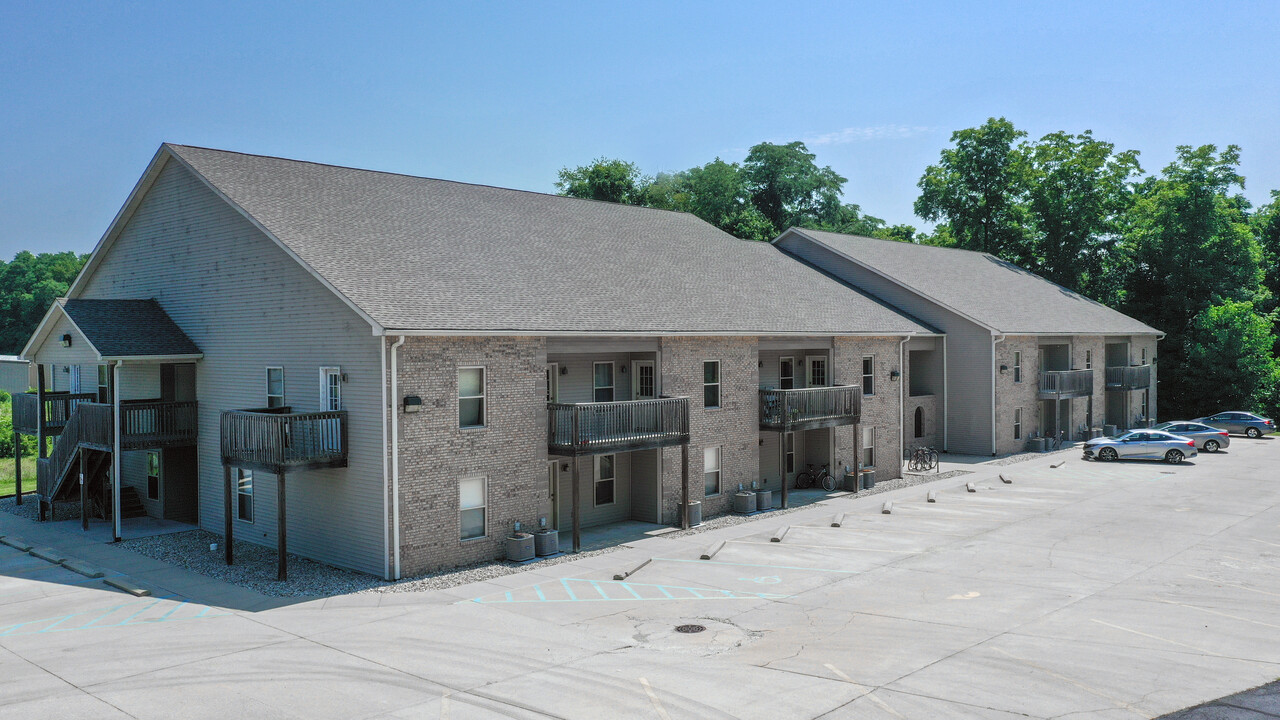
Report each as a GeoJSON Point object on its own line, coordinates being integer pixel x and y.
{"type": "Point", "coordinates": [1077, 193]}
{"type": "Point", "coordinates": [977, 189]}
{"type": "Point", "coordinates": [1266, 224]}
{"type": "Point", "coordinates": [788, 187]}
{"type": "Point", "coordinates": [28, 286]}
{"type": "Point", "coordinates": [1229, 357]}
{"type": "Point", "coordinates": [605, 179]}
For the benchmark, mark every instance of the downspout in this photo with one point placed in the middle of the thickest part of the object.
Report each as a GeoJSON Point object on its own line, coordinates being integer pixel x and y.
{"type": "Point", "coordinates": [115, 451]}
{"type": "Point", "coordinates": [902, 408]}
{"type": "Point", "coordinates": [946, 399]}
{"type": "Point", "coordinates": [994, 340]}
{"type": "Point", "coordinates": [395, 458]}
{"type": "Point", "coordinates": [386, 473]}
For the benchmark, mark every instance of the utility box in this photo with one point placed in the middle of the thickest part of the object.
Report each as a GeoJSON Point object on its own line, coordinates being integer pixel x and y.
{"type": "Point", "coordinates": [744, 502]}
{"type": "Point", "coordinates": [695, 513]}
{"type": "Point", "coordinates": [868, 479]}
{"type": "Point", "coordinates": [546, 542]}
{"type": "Point", "coordinates": [850, 482]}
{"type": "Point", "coordinates": [764, 499]}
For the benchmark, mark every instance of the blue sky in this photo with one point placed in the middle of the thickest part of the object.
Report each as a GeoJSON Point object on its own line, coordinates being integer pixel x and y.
{"type": "Point", "coordinates": [507, 93]}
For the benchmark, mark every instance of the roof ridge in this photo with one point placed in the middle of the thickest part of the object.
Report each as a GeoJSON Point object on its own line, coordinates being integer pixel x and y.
{"type": "Point", "coordinates": [441, 180]}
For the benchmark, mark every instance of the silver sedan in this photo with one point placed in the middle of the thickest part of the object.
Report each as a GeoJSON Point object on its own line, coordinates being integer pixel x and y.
{"type": "Point", "coordinates": [1208, 439]}
{"type": "Point", "coordinates": [1141, 445]}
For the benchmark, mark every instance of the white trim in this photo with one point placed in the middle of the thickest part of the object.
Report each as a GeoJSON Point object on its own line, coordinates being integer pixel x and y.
{"type": "Point", "coordinates": [326, 371]}
{"type": "Point", "coordinates": [865, 446]}
{"type": "Point", "coordinates": [596, 480]}
{"type": "Point", "coordinates": [253, 505]}
{"type": "Point", "coordinates": [386, 467]}
{"type": "Point", "coordinates": [483, 396]}
{"type": "Point", "coordinates": [719, 471]}
{"type": "Point", "coordinates": [994, 430]}
{"type": "Point", "coordinates": [45, 327]}
{"type": "Point", "coordinates": [862, 376]}
{"type": "Point", "coordinates": [553, 494]}
{"type": "Point", "coordinates": [553, 382]}
{"type": "Point", "coordinates": [808, 370]}
{"type": "Point", "coordinates": [635, 378]}
{"type": "Point", "coordinates": [484, 481]}
{"type": "Point", "coordinates": [551, 333]}
{"type": "Point", "coordinates": [613, 381]}
{"type": "Point", "coordinates": [790, 359]}
{"type": "Point", "coordinates": [1017, 423]}
{"type": "Point", "coordinates": [154, 358]}
{"type": "Point", "coordinates": [266, 386]}
{"type": "Point", "coordinates": [116, 465]}
{"type": "Point", "coordinates": [395, 458]}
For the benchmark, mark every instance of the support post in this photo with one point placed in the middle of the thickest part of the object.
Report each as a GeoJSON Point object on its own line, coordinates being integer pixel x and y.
{"type": "Point", "coordinates": [117, 481]}
{"type": "Point", "coordinates": [577, 493]}
{"type": "Point", "coordinates": [282, 571]}
{"type": "Point", "coordinates": [17, 468]}
{"type": "Point", "coordinates": [84, 489]}
{"type": "Point", "coordinates": [226, 508]}
{"type": "Point", "coordinates": [782, 444]}
{"type": "Point", "coordinates": [41, 450]}
{"type": "Point", "coordinates": [684, 486]}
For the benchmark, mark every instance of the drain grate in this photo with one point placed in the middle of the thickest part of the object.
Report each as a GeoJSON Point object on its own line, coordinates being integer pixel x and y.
{"type": "Point", "coordinates": [689, 629]}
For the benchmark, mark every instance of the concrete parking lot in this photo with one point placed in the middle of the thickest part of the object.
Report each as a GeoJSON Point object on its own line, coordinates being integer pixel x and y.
{"type": "Point", "coordinates": [1099, 590]}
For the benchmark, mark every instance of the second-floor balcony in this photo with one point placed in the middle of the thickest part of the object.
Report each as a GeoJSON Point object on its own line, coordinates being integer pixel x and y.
{"type": "Point", "coordinates": [58, 407]}
{"type": "Point", "coordinates": [278, 440]}
{"type": "Point", "coordinates": [605, 427]}
{"type": "Point", "coordinates": [810, 408]}
{"type": "Point", "coordinates": [1129, 378]}
{"type": "Point", "coordinates": [1066, 383]}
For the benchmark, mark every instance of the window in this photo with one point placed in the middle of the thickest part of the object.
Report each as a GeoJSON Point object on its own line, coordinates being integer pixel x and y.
{"type": "Point", "coordinates": [553, 382]}
{"type": "Point", "coordinates": [75, 379]}
{"type": "Point", "coordinates": [1017, 423]}
{"type": "Point", "coordinates": [1017, 366]}
{"type": "Point", "coordinates": [104, 383]}
{"type": "Point", "coordinates": [789, 450]}
{"type": "Point", "coordinates": [471, 507]}
{"type": "Point", "coordinates": [330, 388]}
{"type": "Point", "coordinates": [1144, 356]}
{"type": "Point", "coordinates": [868, 447]}
{"type": "Point", "coordinates": [711, 471]}
{"type": "Point", "coordinates": [787, 373]}
{"type": "Point", "coordinates": [471, 397]}
{"type": "Point", "coordinates": [1088, 359]}
{"type": "Point", "coordinates": [602, 382]}
{"type": "Point", "coordinates": [153, 475]}
{"type": "Point", "coordinates": [606, 479]}
{"type": "Point", "coordinates": [868, 375]}
{"type": "Point", "coordinates": [919, 422]}
{"type": "Point", "coordinates": [244, 494]}
{"type": "Point", "coordinates": [1146, 398]}
{"type": "Point", "coordinates": [711, 384]}
{"type": "Point", "coordinates": [275, 387]}
{"type": "Point", "coordinates": [817, 371]}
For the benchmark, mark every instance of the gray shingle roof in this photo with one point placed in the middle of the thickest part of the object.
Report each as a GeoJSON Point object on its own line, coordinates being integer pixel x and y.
{"type": "Point", "coordinates": [992, 291]}
{"type": "Point", "coordinates": [128, 328]}
{"type": "Point", "coordinates": [421, 254]}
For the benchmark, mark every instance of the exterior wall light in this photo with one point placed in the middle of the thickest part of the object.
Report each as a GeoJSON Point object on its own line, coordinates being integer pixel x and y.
{"type": "Point", "coordinates": [412, 404]}
{"type": "Point", "coordinates": [66, 340]}
{"type": "Point", "coordinates": [894, 375]}
{"type": "Point", "coordinates": [1004, 369]}
{"type": "Point", "coordinates": [564, 370]}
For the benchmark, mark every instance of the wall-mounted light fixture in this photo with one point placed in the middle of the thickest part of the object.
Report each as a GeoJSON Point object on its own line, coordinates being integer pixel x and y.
{"type": "Point", "coordinates": [344, 377]}
{"type": "Point", "coordinates": [759, 363]}
{"type": "Point", "coordinates": [894, 375]}
{"type": "Point", "coordinates": [1004, 369]}
{"type": "Point", "coordinates": [623, 369]}
{"type": "Point", "coordinates": [412, 403]}
{"type": "Point", "coordinates": [66, 340]}
{"type": "Point", "coordinates": [564, 467]}
{"type": "Point", "coordinates": [564, 370]}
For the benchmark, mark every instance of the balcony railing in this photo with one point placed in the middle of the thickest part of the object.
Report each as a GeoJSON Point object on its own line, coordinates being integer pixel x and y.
{"type": "Point", "coordinates": [90, 426]}
{"type": "Point", "coordinates": [279, 440]}
{"type": "Point", "coordinates": [809, 408]}
{"type": "Point", "coordinates": [1129, 378]}
{"type": "Point", "coordinates": [1066, 383]}
{"type": "Point", "coordinates": [58, 407]}
{"type": "Point", "coordinates": [154, 423]}
{"type": "Point", "coordinates": [605, 427]}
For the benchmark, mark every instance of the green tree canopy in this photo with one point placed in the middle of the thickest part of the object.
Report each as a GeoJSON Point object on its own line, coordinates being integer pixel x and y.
{"type": "Point", "coordinates": [28, 286]}
{"type": "Point", "coordinates": [604, 179]}
{"type": "Point", "coordinates": [789, 189]}
{"type": "Point", "coordinates": [1229, 360]}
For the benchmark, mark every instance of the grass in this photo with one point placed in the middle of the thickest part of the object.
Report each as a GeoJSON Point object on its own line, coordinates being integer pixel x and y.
{"type": "Point", "coordinates": [28, 475]}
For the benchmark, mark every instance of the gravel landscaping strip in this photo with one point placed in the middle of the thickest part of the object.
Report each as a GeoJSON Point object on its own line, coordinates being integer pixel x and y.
{"type": "Point", "coordinates": [30, 507]}
{"type": "Point", "coordinates": [1020, 457]}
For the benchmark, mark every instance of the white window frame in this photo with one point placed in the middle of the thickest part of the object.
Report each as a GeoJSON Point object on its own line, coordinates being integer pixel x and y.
{"type": "Point", "coordinates": [636, 381]}
{"type": "Point", "coordinates": [553, 382]}
{"type": "Point", "coordinates": [1017, 423]}
{"type": "Point", "coordinates": [1144, 356]}
{"type": "Point", "coordinates": [597, 480]}
{"type": "Point", "coordinates": [782, 377]}
{"type": "Point", "coordinates": [1146, 404]}
{"type": "Point", "coordinates": [240, 475]}
{"type": "Point", "coordinates": [719, 385]}
{"type": "Point", "coordinates": [869, 378]}
{"type": "Point", "coordinates": [327, 372]}
{"type": "Point", "coordinates": [483, 507]}
{"type": "Point", "coordinates": [158, 476]}
{"type": "Point", "coordinates": [1017, 366]}
{"type": "Point", "coordinates": [788, 453]}
{"type": "Point", "coordinates": [868, 446]}
{"type": "Point", "coordinates": [483, 397]}
{"type": "Point", "coordinates": [267, 382]}
{"type": "Point", "coordinates": [104, 383]}
{"type": "Point", "coordinates": [612, 387]}
{"type": "Point", "coordinates": [74, 383]}
{"type": "Point", "coordinates": [809, 362]}
{"type": "Point", "coordinates": [1088, 359]}
{"type": "Point", "coordinates": [718, 471]}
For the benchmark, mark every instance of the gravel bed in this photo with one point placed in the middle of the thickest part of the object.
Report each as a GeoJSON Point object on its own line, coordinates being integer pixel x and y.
{"type": "Point", "coordinates": [478, 572]}
{"type": "Point", "coordinates": [1022, 457]}
{"type": "Point", "coordinates": [30, 507]}
{"type": "Point", "coordinates": [925, 477]}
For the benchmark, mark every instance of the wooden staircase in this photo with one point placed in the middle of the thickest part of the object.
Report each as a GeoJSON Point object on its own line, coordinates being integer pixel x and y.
{"type": "Point", "coordinates": [131, 504]}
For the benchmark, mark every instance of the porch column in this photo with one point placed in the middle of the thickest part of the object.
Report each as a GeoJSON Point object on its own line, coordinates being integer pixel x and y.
{"type": "Point", "coordinates": [226, 510]}
{"type": "Point", "coordinates": [84, 489]}
{"type": "Point", "coordinates": [782, 445]}
{"type": "Point", "coordinates": [41, 451]}
{"type": "Point", "coordinates": [116, 483]}
{"type": "Point", "coordinates": [684, 486]}
{"type": "Point", "coordinates": [282, 569]}
{"type": "Point", "coordinates": [577, 494]}
{"type": "Point", "coordinates": [17, 468]}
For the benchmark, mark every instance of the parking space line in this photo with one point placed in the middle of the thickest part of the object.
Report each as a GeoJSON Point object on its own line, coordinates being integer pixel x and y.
{"type": "Point", "coordinates": [1216, 612]}
{"type": "Point", "coordinates": [1157, 637]}
{"type": "Point", "coordinates": [657, 704]}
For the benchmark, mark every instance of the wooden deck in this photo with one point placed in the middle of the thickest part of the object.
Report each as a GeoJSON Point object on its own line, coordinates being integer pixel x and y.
{"type": "Point", "coordinates": [810, 408]}
{"type": "Point", "coordinates": [278, 440]}
{"type": "Point", "coordinates": [607, 427]}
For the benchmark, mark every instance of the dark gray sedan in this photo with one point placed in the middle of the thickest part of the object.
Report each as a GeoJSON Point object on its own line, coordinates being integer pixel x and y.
{"type": "Point", "coordinates": [1208, 439]}
{"type": "Point", "coordinates": [1141, 445]}
{"type": "Point", "coordinates": [1241, 423]}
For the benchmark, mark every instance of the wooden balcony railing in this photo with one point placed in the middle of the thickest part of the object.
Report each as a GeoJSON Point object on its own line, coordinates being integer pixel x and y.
{"type": "Point", "coordinates": [90, 426]}
{"type": "Point", "coordinates": [58, 407]}
{"type": "Point", "coordinates": [605, 427]}
{"type": "Point", "coordinates": [155, 423]}
{"type": "Point", "coordinates": [1129, 378]}
{"type": "Point", "coordinates": [278, 440]}
{"type": "Point", "coordinates": [810, 408]}
{"type": "Point", "coordinates": [1066, 383]}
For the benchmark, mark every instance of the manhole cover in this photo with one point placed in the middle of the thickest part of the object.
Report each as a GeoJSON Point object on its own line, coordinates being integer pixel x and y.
{"type": "Point", "coordinates": [689, 629]}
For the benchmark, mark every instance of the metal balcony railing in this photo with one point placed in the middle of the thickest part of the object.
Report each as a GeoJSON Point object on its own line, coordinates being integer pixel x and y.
{"type": "Point", "coordinates": [1137, 377]}
{"type": "Point", "coordinates": [604, 427]}
{"type": "Point", "coordinates": [1066, 383]}
{"type": "Point", "coordinates": [809, 408]}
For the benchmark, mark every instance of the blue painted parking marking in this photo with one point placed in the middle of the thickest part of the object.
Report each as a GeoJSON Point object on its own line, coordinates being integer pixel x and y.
{"type": "Point", "coordinates": [139, 612]}
{"type": "Point", "coordinates": [580, 590]}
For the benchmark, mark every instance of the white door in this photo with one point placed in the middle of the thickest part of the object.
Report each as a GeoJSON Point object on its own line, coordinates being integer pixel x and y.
{"type": "Point", "coordinates": [644, 383]}
{"type": "Point", "coordinates": [553, 382]}
{"type": "Point", "coordinates": [816, 371]}
{"type": "Point", "coordinates": [330, 400]}
{"type": "Point", "coordinates": [75, 379]}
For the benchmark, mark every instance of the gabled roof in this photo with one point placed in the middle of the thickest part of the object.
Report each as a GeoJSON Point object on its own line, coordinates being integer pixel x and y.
{"type": "Point", "coordinates": [416, 254]}
{"type": "Point", "coordinates": [120, 329]}
{"type": "Point", "coordinates": [992, 292]}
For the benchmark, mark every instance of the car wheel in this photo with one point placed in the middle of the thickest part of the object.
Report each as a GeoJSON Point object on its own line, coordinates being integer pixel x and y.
{"type": "Point", "coordinates": [1253, 433]}
{"type": "Point", "coordinates": [1107, 454]}
{"type": "Point", "coordinates": [1211, 446]}
{"type": "Point", "coordinates": [1173, 457]}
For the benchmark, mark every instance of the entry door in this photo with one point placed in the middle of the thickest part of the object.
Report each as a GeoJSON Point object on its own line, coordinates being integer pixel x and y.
{"type": "Point", "coordinates": [553, 382]}
{"type": "Point", "coordinates": [816, 371]}
{"type": "Point", "coordinates": [331, 399]}
{"type": "Point", "coordinates": [553, 493]}
{"type": "Point", "coordinates": [644, 384]}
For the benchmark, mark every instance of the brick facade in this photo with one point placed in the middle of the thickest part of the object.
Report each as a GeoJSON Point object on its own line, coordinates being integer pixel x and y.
{"type": "Point", "coordinates": [882, 410]}
{"type": "Point", "coordinates": [1014, 392]}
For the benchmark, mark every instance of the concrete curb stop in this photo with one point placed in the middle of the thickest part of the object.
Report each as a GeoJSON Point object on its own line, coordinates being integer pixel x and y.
{"type": "Point", "coordinates": [17, 543]}
{"type": "Point", "coordinates": [83, 568]}
{"type": "Point", "coordinates": [1005, 480]}
{"type": "Point", "coordinates": [628, 573]}
{"type": "Point", "coordinates": [838, 520]}
{"type": "Point", "coordinates": [49, 554]}
{"type": "Point", "coordinates": [127, 586]}
{"type": "Point", "coordinates": [887, 508]}
{"type": "Point", "coordinates": [780, 533]}
{"type": "Point", "coordinates": [711, 551]}
{"type": "Point", "coordinates": [932, 496]}
{"type": "Point", "coordinates": [970, 487]}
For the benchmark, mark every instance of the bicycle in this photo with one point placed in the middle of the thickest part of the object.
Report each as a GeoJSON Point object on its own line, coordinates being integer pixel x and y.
{"type": "Point", "coordinates": [807, 479]}
{"type": "Point", "coordinates": [922, 459]}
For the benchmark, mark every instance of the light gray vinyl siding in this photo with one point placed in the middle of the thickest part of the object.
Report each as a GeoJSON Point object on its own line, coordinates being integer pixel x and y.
{"type": "Point", "coordinates": [14, 376]}
{"type": "Point", "coordinates": [51, 351]}
{"type": "Point", "coordinates": [591, 514]}
{"type": "Point", "coordinates": [968, 401]}
{"type": "Point", "coordinates": [247, 305]}
{"type": "Point", "coordinates": [644, 486]}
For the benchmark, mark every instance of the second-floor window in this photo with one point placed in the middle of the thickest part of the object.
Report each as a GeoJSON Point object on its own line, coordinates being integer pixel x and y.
{"type": "Point", "coordinates": [1088, 359]}
{"type": "Point", "coordinates": [602, 382]}
{"type": "Point", "coordinates": [471, 399]}
{"type": "Point", "coordinates": [787, 373]}
{"type": "Point", "coordinates": [711, 384]}
{"type": "Point", "coordinates": [1017, 366]}
{"type": "Point", "coordinates": [275, 387]}
{"type": "Point", "coordinates": [104, 383]}
{"type": "Point", "coordinates": [868, 375]}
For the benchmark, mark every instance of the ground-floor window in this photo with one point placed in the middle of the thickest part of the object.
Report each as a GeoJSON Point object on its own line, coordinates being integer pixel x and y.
{"type": "Point", "coordinates": [244, 494]}
{"type": "Point", "coordinates": [472, 499]}
{"type": "Point", "coordinates": [153, 475]}
{"type": "Point", "coordinates": [1146, 400]}
{"type": "Point", "coordinates": [1017, 423]}
{"type": "Point", "coordinates": [868, 447]}
{"type": "Point", "coordinates": [711, 471]}
{"type": "Point", "coordinates": [606, 479]}
{"type": "Point", "coordinates": [919, 428]}
{"type": "Point", "coordinates": [789, 450]}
